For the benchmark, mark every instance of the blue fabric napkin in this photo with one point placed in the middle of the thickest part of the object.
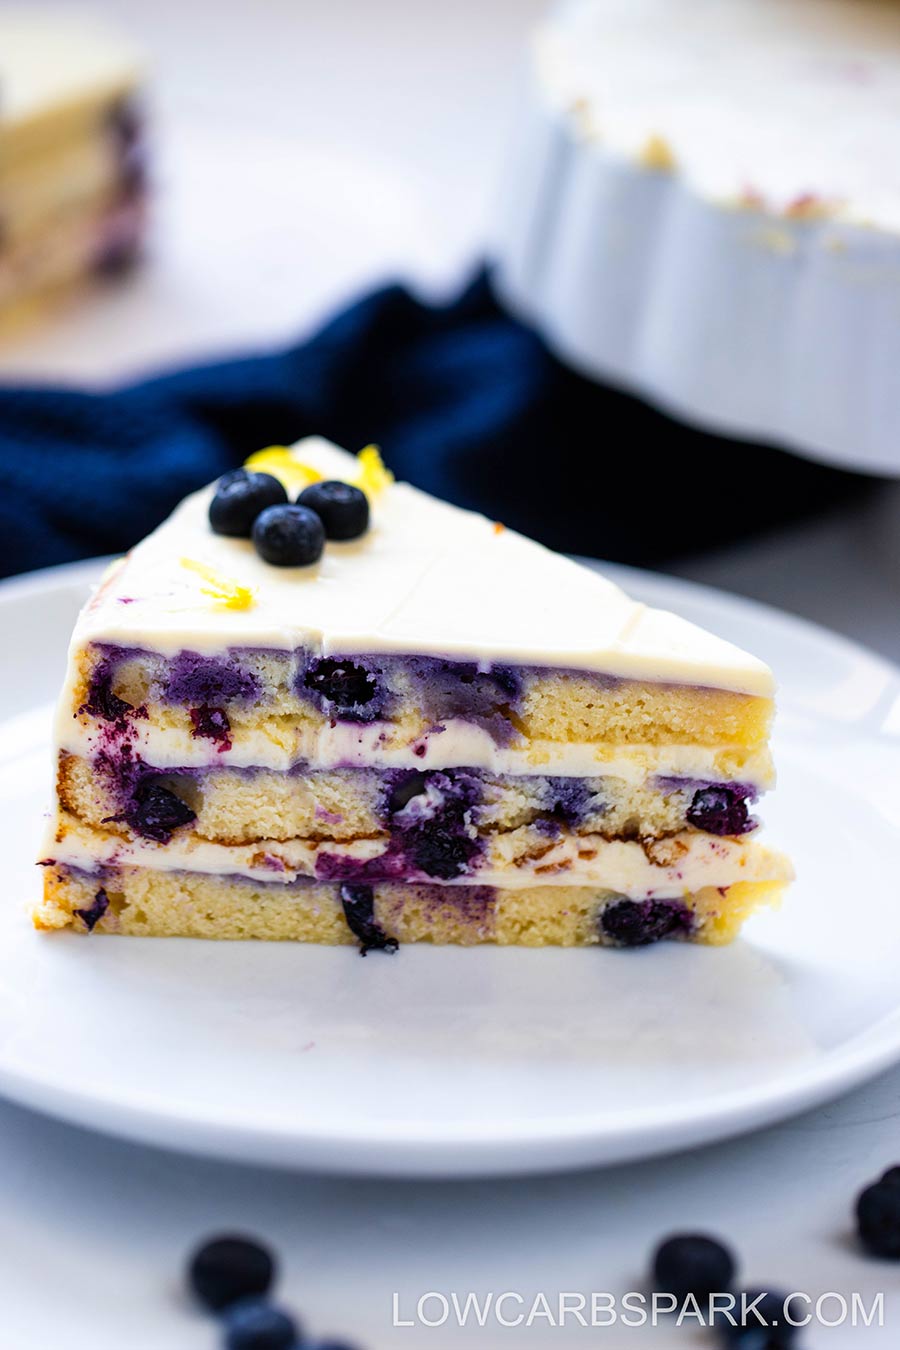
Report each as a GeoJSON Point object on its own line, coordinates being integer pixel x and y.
{"type": "Point", "coordinates": [464, 401]}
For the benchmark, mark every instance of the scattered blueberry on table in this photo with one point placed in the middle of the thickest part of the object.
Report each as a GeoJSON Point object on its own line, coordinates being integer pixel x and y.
{"type": "Point", "coordinates": [230, 1268]}
{"type": "Point", "coordinates": [288, 536]}
{"type": "Point", "coordinates": [765, 1326]}
{"type": "Point", "coordinates": [232, 1276]}
{"type": "Point", "coordinates": [693, 1263]}
{"type": "Point", "coordinates": [239, 498]}
{"type": "Point", "coordinates": [878, 1216]}
{"type": "Point", "coordinates": [342, 508]}
{"type": "Point", "coordinates": [254, 1324]}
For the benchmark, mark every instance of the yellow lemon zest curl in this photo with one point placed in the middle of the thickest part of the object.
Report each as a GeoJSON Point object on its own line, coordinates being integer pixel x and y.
{"type": "Point", "coordinates": [281, 464]}
{"type": "Point", "coordinates": [372, 477]}
{"type": "Point", "coordinates": [227, 594]}
{"type": "Point", "coordinates": [278, 460]}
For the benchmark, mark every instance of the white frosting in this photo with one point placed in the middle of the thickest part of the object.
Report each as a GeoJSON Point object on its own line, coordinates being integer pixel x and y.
{"type": "Point", "coordinates": [617, 865]}
{"type": "Point", "coordinates": [54, 61]}
{"type": "Point", "coordinates": [783, 98]}
{"type": "Point", "coordinates": [427, 578]}
{"type": "Point", "coordinates": [459, 744]}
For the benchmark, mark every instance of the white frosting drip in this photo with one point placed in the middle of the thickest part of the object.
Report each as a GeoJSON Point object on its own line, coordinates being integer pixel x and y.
{"type": "Point", "coordinates": [782, 97]}
{"type": "Point", "coordinates": [617, 865]}
{"type": "Point", "coordinates": [428, 578]}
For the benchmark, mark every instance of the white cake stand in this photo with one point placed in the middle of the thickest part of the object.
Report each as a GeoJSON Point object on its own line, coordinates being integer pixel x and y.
{"type": "Point", "coordinates": [633, 240]}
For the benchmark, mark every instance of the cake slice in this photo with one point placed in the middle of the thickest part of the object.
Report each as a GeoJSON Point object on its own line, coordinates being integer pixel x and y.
{"type": "Point", "coordinates": [435, 730]}
{"type": "Point", "coordinates": [72, 180]}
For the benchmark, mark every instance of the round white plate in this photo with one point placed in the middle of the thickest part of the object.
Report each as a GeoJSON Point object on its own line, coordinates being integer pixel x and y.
{"type": "Point", "coordinates": [447, 1061]}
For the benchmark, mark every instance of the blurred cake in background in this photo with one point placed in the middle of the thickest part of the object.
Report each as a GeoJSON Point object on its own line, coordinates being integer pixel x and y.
{"type": "Point", "coordinates": [72, 161]}
{"type": "Point", "coordinates": [705, 209]}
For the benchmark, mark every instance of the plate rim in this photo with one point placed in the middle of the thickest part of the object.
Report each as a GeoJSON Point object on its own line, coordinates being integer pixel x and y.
{"type": "Point", "coordinates": [549, 1143]}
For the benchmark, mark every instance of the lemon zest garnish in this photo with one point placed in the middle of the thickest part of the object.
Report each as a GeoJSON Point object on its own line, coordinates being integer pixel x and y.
{"type": "Point", "coordinates": [227, 594]}
{"type": "Point", "coordinates": [279, 461]}
{"type": "Point", "coordinates": [372, 477]}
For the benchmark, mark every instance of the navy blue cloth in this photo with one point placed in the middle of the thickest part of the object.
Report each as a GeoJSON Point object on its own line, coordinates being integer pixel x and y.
{"type": "Point", "coordinates": [464, 400]}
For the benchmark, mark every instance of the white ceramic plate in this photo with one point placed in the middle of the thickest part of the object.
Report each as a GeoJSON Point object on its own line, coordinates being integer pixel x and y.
{"type": "Point", "coordinates": [447, 1061]}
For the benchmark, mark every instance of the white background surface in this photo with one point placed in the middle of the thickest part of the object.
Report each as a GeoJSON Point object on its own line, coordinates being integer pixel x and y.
{"type": "Point", "coordinates": [402, 109]}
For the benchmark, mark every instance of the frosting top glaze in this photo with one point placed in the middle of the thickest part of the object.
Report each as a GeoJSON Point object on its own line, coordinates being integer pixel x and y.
{"type": "Point", "coordinates": [790, 105]}
{"type": "Point", "coordinates": [427, 579]}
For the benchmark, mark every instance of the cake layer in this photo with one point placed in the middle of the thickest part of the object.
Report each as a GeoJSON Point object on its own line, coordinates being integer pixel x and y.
{"type": "Point", "coordinates": [273, 708]}
{"type": "Point", "coordinates": [235, 806]}
{"type": "Point", "coordinates": [527, 856]}
{"type": "Point", "coordinates": [144, 902]}
{"type": "Point", "coordinates": [79, 244]}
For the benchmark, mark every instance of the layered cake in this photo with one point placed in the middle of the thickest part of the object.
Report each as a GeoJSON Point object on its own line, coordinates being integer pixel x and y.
{"type": "Point", "coordinates": [72, 171]}
{"type": "Point", "coordinates": [319, 705]}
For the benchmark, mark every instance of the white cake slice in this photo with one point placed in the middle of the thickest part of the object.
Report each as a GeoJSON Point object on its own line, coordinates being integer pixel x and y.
{"type": "Point", "coordinates": [437, 731]}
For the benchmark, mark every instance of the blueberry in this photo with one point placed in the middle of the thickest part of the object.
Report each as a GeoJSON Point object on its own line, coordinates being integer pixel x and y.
{"type": "Point", "coordinates": [92, 915]}
{"type": "Point", "coordinates": [637, 923]}
{"type": "Point", "coordinates": [230, 1268]}
{"type": "Point", "coordinates": [440, 850]}
{"type": "Point", "coordinates": [253, 1324]}
{"type": "Point", "coordinates": [878, 1218]}
{"type": "Point", "coordinates": [341, 683]}
{"type": "Point", "coordinates": [358, 902]}
{"type": "Point", "coordinates": [156, 813]}
{"type": "Point", "coordinates": [333, 1345]}
{"type": "Point", "coordinates": [342, 509]}
{"type": "Point", "coordinates": [763, 1327]}
{"type": "Point", "coordinates": [288, 536]}
{"type": "Point", "coordinates": [719, 810]}
{"type": "Point", "coordinates": [692, 1263]}
{"type": "Point", "coordinates": [240, 497]}
{"type": "Point", "coordinates": [891, 1177]}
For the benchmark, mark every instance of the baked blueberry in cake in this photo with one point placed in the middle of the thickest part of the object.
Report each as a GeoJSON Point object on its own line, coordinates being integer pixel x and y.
{"type": "Point", "coordinates": [398, 723]}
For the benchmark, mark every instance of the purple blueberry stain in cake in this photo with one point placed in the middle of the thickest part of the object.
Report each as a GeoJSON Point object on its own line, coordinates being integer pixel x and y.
{"type": "Point", "coordinates": [638, 923]}
{"type": "Point", "coordinates": [344, 689]}
{"type": "Point", "coordinates": [358, 903]}
{"type": "Point", "coordinates": [208, 680]}
{"type": "Point", "coordinates": [94, 912]}
{"type": "Point", "coordinates": [328, 817]}
{"type": "Point", "coordinates": [101, 701]}
{"type": "Point", "coordinates": [212, 724]}
{"type": "Point", "coordinates": [566, 799]}
{"type": "Point", "coordinates": [486, 696]}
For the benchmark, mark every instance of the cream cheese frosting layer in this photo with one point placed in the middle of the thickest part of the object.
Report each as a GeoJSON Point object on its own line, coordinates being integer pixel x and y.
{"type": "Point", "coordinates": [55, 70]}
{"type": "Point", "coordinates": [348, 745]}
{"type": "Point", "coordinates": [671, 867]}
{"type": "Point", "coordinates": [427, 579]}
{"type": "Point", "coordinates": [794, 103]}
